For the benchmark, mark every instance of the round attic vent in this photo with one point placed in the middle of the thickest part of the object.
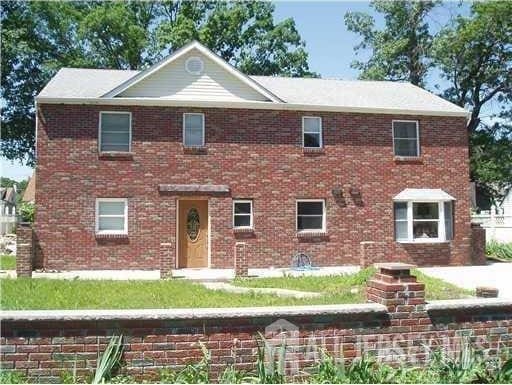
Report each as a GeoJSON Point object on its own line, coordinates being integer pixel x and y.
{"type": "Point", "coordinates": [194, 65]}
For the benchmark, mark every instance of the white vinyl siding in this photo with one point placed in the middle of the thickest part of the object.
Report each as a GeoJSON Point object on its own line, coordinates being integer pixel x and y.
{"type": "Point", "coordinates": [193, 130]}
{"type": "Point", "coordinates": [111, 216]}
{"type": "Point", "coordinates": [406, 138]}
{"type": "Point", "coordinates": [115, 131]}
{"type": "Point", "coordinates": [174, 82]}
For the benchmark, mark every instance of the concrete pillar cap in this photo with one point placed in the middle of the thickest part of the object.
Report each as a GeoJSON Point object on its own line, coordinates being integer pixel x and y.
{"type": "Point", "coordinates": [394, 266]}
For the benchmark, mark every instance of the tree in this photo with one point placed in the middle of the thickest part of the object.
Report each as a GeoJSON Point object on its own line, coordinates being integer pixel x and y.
{"type": "Point", "coordinates": [401, 50]}
{"type": "Point", "coordinates": [38, 38]}
{"type": "Point", "coordinates": [475, 56]}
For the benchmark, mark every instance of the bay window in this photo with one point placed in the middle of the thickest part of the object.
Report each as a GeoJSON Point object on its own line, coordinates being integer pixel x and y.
{"type": "Point", "coordinates": [417, 221]}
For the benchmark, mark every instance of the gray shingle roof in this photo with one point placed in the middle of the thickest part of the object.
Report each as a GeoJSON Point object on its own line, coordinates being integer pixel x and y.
{"type": "Point", "coordinates": [94, 83]}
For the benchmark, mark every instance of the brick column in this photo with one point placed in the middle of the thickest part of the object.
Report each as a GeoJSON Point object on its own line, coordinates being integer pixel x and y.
{"type": "Point", "coordinates": [24, 250]}
{"type": "Point", "coordinates": [241, 263]}
{"type": "Point", "coordinates": [478, 256]}
{"type": "Point", "coordinates": [395, 287]}
{"type": "Point", "coordinates": [167, 260]}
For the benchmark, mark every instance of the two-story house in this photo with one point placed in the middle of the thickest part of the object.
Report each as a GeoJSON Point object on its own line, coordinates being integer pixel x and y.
{"type": "Point", "coordinates": [194, 154]}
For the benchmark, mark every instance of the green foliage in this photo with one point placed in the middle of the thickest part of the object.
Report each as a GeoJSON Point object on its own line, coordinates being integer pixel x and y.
{"type": "Point", "coordinates": [109, 360]}
{"type": "Point", "coordinates": [7, 262]}
{"type": "Point", "coordinates": [40, 37]}
{"type": "Point", "coordinates": [401, 50]}
{"type": "Point", "coordinates": [499, 250]}
{"type": "Point", "coordinates": [12, 377]}
{"type": "Point", "coordinates": [269, 368]}
{"type": "Point", "coordinates": [27, 211]}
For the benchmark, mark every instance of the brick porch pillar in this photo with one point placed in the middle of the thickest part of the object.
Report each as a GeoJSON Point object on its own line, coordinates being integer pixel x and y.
{"type": "Point", "coordinates": [24, 250]}
{"type": "Point", "coordinates": [478, 256]}
{"type": "Point", "coordinates": [167, 260]}
{"type": "Point", "coordinates": [241, 263]}
{"type": "Point", "coordinates": [395, 287]}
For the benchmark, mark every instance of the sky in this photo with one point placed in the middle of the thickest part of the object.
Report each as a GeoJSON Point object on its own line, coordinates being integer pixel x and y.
{"type": "Point", "coordinates": [328, 42]}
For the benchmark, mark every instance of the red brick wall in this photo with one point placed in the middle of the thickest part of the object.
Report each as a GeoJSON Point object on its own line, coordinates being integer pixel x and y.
{"type": "Point", "coordinates": [258, 154]}
{"type": "Point", "coordinates": [405, 331]}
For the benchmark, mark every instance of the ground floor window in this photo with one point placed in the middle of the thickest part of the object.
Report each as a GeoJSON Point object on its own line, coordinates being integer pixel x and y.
{"type": "Point", "coordinates": [242, 214]}
{"type": "Point", "coordinates": [311, 215]}
{"type": "Point", "coordinates": [111, 216]}
{"type": "Point", "coordinates": [423, 221]}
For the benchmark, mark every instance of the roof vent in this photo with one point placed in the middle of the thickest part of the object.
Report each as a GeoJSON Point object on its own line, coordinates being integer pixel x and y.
{"type": "Point", "coordinates": [194, 65]}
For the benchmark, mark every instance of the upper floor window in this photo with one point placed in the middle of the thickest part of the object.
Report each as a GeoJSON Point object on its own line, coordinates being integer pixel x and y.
{"type": "Point", "coordinates": [311, 215]}
{"type": "Point", "coordinates": [406, 138]}
{"type": "Point", "coordinates": [193, 130]}
{"type": "Point", "coordinates": [115, 131]}
{"type": "Point", "coordinates": [242, 214]}
{"type": "Point", "coordinates": [311, 132]}
{"type": "Point", "coordinates": [423, 221]}
{"type": "Point", "coordinates": [111, 216]}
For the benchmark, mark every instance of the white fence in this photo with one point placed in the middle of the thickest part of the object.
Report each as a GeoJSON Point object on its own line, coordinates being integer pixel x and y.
{"type": "Point", "coordinates": [497, 227]}
{"type": "Point", "coordinates": [8, 223]}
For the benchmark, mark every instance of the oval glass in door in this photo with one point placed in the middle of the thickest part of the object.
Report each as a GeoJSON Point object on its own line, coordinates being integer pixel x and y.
{"type": "Point", "coordinates": [193, 224]}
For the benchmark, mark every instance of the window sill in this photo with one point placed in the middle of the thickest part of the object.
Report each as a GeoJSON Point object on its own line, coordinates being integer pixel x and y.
{"type": "Point", "coordinates": [113, 155]}
{"type": "Point", "coordinates": [312, 234]}
{"type": "Point", "coordinates": [408, 159]}
{"type": "Point", "coordinates": [243, 230]}
{"type": "Point", "coordinates": [422, 242]}
{"type": "Point", "coordinates": [195, 150]}
{"type": "Point", "coordinates": [110, 236]}
{"type": "Point", "coordinates": [313, 150]}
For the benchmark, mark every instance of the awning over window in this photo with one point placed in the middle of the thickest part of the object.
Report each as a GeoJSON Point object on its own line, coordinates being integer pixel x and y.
{"type": "Point", "coordinates": [423, 194]}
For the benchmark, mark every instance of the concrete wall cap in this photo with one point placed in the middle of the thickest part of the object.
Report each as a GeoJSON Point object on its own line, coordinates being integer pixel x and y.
{"type": "Point", "coordinates": [183, 314]}
{"type": "Point", "coordinates": [470, 303]}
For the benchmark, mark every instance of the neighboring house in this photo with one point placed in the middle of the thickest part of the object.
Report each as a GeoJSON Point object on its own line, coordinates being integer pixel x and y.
{"type": "Point", "coordinates": [7, 209]}
{"type": "Point", "coordinates": [195, 154]}
{"type": "Point", "coordinates": [29, 195]}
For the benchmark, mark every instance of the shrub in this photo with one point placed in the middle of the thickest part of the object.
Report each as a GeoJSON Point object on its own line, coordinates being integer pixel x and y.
{"type": "Point", "coordinates": [499, 250]}
{"type": "Point", "coordinates": [27, 211]}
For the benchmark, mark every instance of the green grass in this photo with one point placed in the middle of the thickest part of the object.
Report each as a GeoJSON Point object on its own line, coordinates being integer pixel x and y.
{"type": "Point", "coordinates": [499, 251]}
{"type": "Point", "coordinates": [26, 293]}
{"type": "Point", "coordinates": [7, 262]}
{"type": "Point", "coordinates": [341, 286]}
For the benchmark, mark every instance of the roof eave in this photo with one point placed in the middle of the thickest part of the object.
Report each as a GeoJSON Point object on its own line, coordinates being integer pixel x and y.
{"type": "Point", "coordinates": [244, 104]}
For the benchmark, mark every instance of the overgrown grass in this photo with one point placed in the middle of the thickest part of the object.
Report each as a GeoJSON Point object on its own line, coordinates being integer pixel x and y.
{"type": "Point", "coordinates": [7, 262]}
{"type": "Point", "coordinates": [499, 251]}
{"type": "Point", "coordinates": [352, 285]}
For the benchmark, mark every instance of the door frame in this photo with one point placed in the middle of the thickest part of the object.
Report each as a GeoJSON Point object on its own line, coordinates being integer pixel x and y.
{"type": "Point", "coordinates": [209, 239]}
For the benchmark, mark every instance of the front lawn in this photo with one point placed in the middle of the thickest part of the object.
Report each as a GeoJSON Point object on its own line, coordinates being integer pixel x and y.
{"type": "Point", "coordinates": [7, 262]}
{"type": "Point", "coordinates": [26, 293]}
{"type": "Point", "coordinates": [344, 286]}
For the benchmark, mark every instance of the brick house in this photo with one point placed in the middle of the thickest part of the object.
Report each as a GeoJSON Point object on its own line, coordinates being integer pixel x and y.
{"type": "Point", "coordinates": [196, 156]}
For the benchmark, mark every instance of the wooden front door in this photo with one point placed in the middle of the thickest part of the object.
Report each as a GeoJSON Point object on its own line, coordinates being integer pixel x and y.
{"type": "Point", "coordinates": [193, 233]}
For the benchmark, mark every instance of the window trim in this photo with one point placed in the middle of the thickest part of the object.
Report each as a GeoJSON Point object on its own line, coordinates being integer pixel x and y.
{"type": "Point", "coordinates": [203, 129]}
{"type": "Point", "coordinates": [324, 216]}
{"type": "Point", "coordinates": [251, 223]}
{"type": "Point", "coordinates": [321, 140]}
{"type": "Point", "coordinates": [418, 146]}
{"type": "Point", "coordinates": [129, 130]}
{"type": "Point", "coordinates": [441, 223]}
{"type": "Point", "coordinates": [97, 216]}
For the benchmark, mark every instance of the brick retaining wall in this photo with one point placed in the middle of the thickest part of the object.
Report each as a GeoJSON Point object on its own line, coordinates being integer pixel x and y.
{"type": "Point", "coordinates": [396, 328]}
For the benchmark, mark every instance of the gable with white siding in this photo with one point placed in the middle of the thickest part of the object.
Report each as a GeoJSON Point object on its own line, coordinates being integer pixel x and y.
{"type": "Point", "coordinates": [173, 81]}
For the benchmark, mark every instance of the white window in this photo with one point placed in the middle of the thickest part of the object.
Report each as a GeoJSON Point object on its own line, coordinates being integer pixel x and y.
{"type": "Point", "coordinates": [193, 130]}
{"type": "Point", "coordinates": [311, 132]}
{"type": "Point", "coordinates": [111, 216]}
{"type": "Point", "coordinates": [242, 214]}
{"type": "Point", "coordinates": [406, 141]}
{"type": "Point", "coordinates": [423, 221]}
{"type": "Point", "coordinates": [115, 131]}
{"type": "Point", "coordinates": [311, 215]}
